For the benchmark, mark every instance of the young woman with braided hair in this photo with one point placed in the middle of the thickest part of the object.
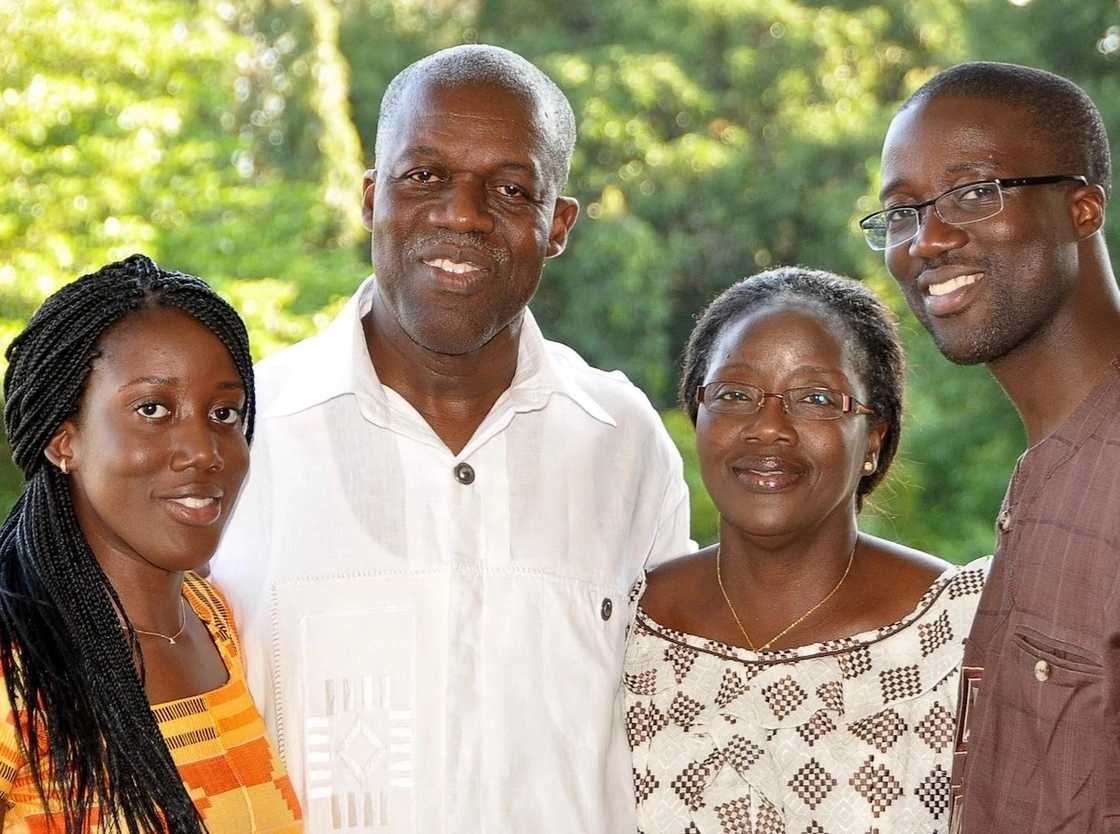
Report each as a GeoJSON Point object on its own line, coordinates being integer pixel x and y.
{"type": "Point", "coordinates": [128, 407]}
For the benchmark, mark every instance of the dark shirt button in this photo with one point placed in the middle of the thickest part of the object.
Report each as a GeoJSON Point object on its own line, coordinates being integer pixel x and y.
{"type": "Point", "coordinates": [464, 473]}
{"type": "Point", "coordinates": [606, 608]}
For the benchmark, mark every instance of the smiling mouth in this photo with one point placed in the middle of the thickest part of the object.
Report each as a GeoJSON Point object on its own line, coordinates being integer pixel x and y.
{"type": "Point", "coordinates": [193, 503]}
{"type": "Point", "coordinates": [454, 267]}
{"type": "Point", "coordinates": [194, 510]}
{"type": "Point", "coordinates": [768, 474]}
{"type": "Point", "coordinates": [954, 284]}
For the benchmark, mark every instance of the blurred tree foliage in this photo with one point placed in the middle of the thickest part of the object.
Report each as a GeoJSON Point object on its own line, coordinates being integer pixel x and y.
{"type": "Point", "coordinates": [717, 138]}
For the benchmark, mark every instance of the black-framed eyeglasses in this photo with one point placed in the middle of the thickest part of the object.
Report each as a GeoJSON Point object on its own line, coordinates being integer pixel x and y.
{"type": "Point", "coordinates": [968, 203]}
{"type": "Point", "coordinates": [741, 399]}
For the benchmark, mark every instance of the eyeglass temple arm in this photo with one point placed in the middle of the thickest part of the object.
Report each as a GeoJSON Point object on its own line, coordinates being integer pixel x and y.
{"type": "Point", "coordinates": [1015, 182]}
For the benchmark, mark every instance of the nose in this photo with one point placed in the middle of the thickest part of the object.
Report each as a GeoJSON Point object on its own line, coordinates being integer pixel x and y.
{"type": "Point", "coordinates": [935, 236]}
{"type": "Point", "coordinates": [462, 207]}
{"type": "Point", "coordinates": [771, 423]}
{"type": "Point", "coordinates": [197, 446]}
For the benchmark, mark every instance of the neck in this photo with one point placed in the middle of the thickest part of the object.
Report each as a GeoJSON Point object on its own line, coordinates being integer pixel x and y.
{"type": "Point", "coordinates": [788, 566]}
{"type": "Point", "coordinates": [1052, 372]}
{"type": "Point", "coordinates": [149, 594]}
{"type": "Point", "coordinates": [453, 393]}
{"type": "Point", "coordinates": [151, 597]}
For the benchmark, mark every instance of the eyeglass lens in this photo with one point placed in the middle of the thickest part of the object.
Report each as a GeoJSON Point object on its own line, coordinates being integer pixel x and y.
{"type": "Point", "coordinates": [744, 400]}
{"type": "Point", "coordinates": [967, 204]}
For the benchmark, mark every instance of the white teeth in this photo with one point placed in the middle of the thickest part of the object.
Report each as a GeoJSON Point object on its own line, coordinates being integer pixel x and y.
{"type": "Point", "coordinates": [946, 287]}
{"type": "Point", "coordinates": [452, 266]}
{"type": "Point", "coordinates": [194, 503]}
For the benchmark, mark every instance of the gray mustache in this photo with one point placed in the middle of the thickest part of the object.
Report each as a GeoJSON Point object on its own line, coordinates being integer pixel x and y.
{"type": "Point", "coordinates": [464, 240]}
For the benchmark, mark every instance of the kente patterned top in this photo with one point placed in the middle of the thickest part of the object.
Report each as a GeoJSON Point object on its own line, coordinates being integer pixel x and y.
{"type": "Point", "coordinates": [216, 739]}
{"type": "Point", "coordinates": [852, 736]}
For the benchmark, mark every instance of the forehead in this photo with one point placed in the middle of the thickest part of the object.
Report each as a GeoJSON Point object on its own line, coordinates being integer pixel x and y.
{"type": "Point", "coordinates": [471, 122]}
{"type": "Point", "coordinates": [946, 140]}
{"type": "Point", "coordinates": [784, 336]}
{"type": "Point", "coordinates": [160, 341]}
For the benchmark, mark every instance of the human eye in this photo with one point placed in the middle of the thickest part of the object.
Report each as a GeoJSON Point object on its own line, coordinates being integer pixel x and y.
{"type": "Point", "coordinates": [897, 215]}
{"type": "Point", "coordinates": [423, 176]}
{"type": "Point", "coordinates": [817, 401]}
{"type": "Point", "coordinates": [733, 394]}
{"type": "Point", "coordinates": [514, 193]}
{"type": "Point", "coordinates": [979, 193]}
{"type": "Point", "coordinates": [152, 410]}
{"type": "Point", "coordinates": [817, 396]}
{"type": "Point", "coordinates": [226, 414]}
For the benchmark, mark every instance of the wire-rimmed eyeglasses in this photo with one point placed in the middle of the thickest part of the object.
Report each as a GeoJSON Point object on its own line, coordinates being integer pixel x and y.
{"type": "Point", "coordinates": [968, 203]}
{"type": "Point", "coordinates": [741, 399]}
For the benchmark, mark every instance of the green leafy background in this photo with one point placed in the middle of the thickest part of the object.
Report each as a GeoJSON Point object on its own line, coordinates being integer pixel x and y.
{"type": "Point", "coordinates": [717, 137]}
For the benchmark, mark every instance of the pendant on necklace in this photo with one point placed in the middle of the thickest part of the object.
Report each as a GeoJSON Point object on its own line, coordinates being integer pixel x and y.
{"type": "Point", "coordinates": [171, 640]}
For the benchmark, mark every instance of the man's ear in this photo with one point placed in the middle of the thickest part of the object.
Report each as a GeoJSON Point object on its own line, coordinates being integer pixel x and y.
{"type": "Point", "coordinates": [563, 218]}
{"type": "Point", "coordinates": [60, 448]}
{"type": "Point", "coordinates": [1086, 209]}
{"type": "Point", "coordinates": [368, 180]}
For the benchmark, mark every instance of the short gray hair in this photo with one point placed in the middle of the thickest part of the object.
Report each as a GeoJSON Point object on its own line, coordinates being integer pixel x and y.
{"type": "Point", "coordinates": [484, 64]}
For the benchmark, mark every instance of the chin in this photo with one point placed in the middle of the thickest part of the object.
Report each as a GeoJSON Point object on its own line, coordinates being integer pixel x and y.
{"type": "Point", "coordinates": [449, 341]}
{"type": "Point", "coordinates": [181, 557]}
{"type": "Point", "coordinates": [969, 351]}
{"type": "Point", "coordinates": [764, 525]}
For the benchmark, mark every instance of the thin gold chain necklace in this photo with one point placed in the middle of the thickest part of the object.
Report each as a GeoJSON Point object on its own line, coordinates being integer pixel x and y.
{"type": "Point", "coordinates": [765, 646]}
{"type": "Point", "coordinates": [170, 638]}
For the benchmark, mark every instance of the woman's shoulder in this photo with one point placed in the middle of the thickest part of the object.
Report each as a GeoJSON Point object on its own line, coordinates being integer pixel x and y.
{"type": "Point", "coordinates": [896, 577]}
{"type": "Point", "coordinates": [913, 586]}
{"type": "Point", "coordinates": [211, 606]}
{"type": "Point", "coordinates": [677, 586]}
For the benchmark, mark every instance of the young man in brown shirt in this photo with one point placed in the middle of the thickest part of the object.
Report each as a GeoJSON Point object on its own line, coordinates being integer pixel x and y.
{"type": "Point", "coordinates": [995, 180]}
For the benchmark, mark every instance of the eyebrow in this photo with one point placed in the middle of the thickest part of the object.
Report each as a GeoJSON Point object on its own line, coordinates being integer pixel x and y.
{"type": "Point", "coordinates": [408, 157]}
{"type": "Point", "coordinates": [800, 369]}
{"type": "Point", "coordinates": [959, 168]}
{"type": "Point", "coordinates": [171, 380]}
{"type": "Point", "coordinates": [815, 369]}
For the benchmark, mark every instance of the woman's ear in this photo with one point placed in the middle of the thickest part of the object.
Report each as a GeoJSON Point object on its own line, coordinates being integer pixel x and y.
{"type": "Point", "coordinates": [60, 448]}
{"type": "Point", "coordinates": [875, 434]}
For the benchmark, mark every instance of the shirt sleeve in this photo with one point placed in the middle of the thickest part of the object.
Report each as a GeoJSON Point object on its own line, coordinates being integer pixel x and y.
{"type": "Point", "coordinates": [239, 568]}
{"type": "Point", "coordinates": [672, 536]}
{"type": "Point", "coordinates": [1110, 739]}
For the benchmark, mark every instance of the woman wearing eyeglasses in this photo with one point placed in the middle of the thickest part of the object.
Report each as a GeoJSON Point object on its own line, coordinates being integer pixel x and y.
{"type": "Point", "coordinates": [799, 675]}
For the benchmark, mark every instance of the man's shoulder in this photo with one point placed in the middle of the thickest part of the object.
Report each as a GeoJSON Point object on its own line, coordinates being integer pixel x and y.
{"type": "Point", "coordinates": [296, 358]}
{"type": "Point", "coordinates": [291, 378]}
{"type": "Point", "coordinates": [613, 390]}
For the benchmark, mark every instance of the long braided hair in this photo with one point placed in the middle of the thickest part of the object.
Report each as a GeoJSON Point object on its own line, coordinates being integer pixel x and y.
{"type": "Point", "coordinates": [68, 666]}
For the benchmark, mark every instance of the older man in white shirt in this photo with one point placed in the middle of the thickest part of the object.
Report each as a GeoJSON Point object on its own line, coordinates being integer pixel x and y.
{"type": "Point", "coordinates": [430, 560]}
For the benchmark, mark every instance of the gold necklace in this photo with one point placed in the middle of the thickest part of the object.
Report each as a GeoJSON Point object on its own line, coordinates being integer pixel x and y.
{"type": "Point", "coordinates": [172, 637]}
{"type": "Point", "coordinates": [765, 646]}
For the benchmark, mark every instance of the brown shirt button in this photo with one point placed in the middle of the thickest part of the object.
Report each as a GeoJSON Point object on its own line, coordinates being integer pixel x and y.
{"type": "Point", "coordinates": [606, 609]}
{"type": "Point", "coordinates": [464, 473]}
{"type": "Point", "coordinates": [1042, 671]}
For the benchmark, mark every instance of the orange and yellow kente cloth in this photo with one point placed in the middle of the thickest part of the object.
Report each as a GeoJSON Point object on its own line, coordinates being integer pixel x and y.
{"type": "Point", "coordinates": [217, 741]}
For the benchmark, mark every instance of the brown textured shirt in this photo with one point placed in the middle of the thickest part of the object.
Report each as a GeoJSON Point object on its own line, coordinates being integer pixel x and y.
{"type": "Point", "coordinates": [1038, 740]}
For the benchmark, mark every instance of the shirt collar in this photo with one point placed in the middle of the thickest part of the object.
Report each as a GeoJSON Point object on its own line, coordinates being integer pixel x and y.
{"type": "Point", "coordinates": [336, 363]}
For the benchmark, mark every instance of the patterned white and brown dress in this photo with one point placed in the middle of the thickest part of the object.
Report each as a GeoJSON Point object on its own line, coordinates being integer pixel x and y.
{"type": "Point", "coordinates": [852, 736]}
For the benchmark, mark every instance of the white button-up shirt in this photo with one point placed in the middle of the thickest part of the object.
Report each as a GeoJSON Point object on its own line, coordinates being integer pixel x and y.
{"type": "Point", "coordinates": [436, 640]}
